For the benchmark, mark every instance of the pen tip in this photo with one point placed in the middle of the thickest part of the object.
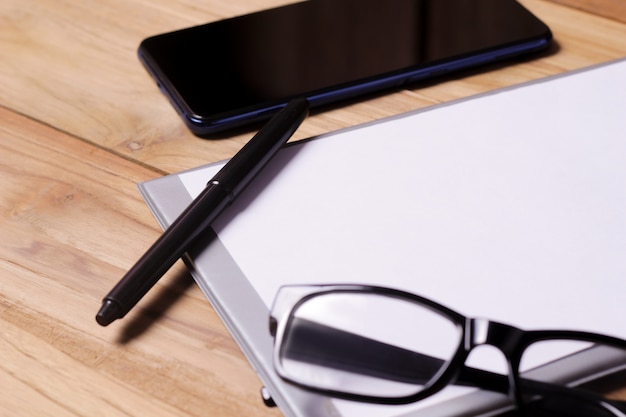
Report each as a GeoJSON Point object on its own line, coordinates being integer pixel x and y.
{"type": "Point", "coordinates": [109, 312]}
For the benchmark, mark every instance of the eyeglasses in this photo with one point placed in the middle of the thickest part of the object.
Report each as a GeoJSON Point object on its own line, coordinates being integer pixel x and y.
{"type": "Point", "coordinates": [386, 346]}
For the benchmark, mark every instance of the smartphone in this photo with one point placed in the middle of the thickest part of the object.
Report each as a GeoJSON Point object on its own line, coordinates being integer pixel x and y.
{"type": "Point", "coordinates": [237, 71]}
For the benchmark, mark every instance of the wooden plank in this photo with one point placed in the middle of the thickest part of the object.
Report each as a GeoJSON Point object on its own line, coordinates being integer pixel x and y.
{"type": "Point", "coordinates": [613, 9]}
{"type": "Point", "coordinates": [72, 222]}
{"type": "Point", "coordinates": [74, 67]}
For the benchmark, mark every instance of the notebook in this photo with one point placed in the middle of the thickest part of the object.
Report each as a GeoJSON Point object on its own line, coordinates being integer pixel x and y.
{"type": "Point", "coordinates": [508, 205]}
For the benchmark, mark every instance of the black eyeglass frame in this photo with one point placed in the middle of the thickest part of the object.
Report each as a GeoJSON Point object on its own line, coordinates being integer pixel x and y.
{"type": "Point", "coordinates": [510, 340]}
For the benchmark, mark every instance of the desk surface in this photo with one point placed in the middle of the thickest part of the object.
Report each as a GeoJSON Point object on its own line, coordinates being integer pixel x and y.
{"type": "Point", "coordinates": [80, 124]}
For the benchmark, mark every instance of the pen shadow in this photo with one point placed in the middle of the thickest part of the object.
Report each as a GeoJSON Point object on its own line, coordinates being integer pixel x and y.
{"type": "Point", "coordinates": [156, 308]}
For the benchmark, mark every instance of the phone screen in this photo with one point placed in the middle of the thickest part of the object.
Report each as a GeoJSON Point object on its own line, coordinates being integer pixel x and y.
{"type": "Point", "coordinates": [235, 71]}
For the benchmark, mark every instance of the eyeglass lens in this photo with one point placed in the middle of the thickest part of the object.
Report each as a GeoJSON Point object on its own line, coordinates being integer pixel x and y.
{"type": "Point", "coordinates": [592, 374]}
{"type": "Point", "coordinates": [367, 344]}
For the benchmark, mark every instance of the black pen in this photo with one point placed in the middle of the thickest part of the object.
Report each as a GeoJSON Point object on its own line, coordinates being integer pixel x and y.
{"type": "Point", "coordinates": [220, 192]}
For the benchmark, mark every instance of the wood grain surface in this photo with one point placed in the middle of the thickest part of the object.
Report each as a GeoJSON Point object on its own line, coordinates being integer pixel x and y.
{"type": "Point", "coordinates": [81, 123]}
{"type": "Point", "coordinates": [613, 9]}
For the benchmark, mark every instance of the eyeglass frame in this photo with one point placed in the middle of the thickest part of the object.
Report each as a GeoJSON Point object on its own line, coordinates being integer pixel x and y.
{"type": "Point", "coordinates": [510, 340]}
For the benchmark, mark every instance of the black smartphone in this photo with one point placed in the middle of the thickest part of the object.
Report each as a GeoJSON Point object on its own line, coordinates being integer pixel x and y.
{"type": "Point", "coordinates": [233, 72]}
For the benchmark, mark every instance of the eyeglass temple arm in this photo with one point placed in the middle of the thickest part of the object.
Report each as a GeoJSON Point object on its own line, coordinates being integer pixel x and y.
{"type": "Point", "coordinates": [316, 343]}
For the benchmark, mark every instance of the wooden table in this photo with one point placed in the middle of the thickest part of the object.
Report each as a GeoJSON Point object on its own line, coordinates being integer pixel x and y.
{"type": "Point", "coordinates": [81, 123]}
